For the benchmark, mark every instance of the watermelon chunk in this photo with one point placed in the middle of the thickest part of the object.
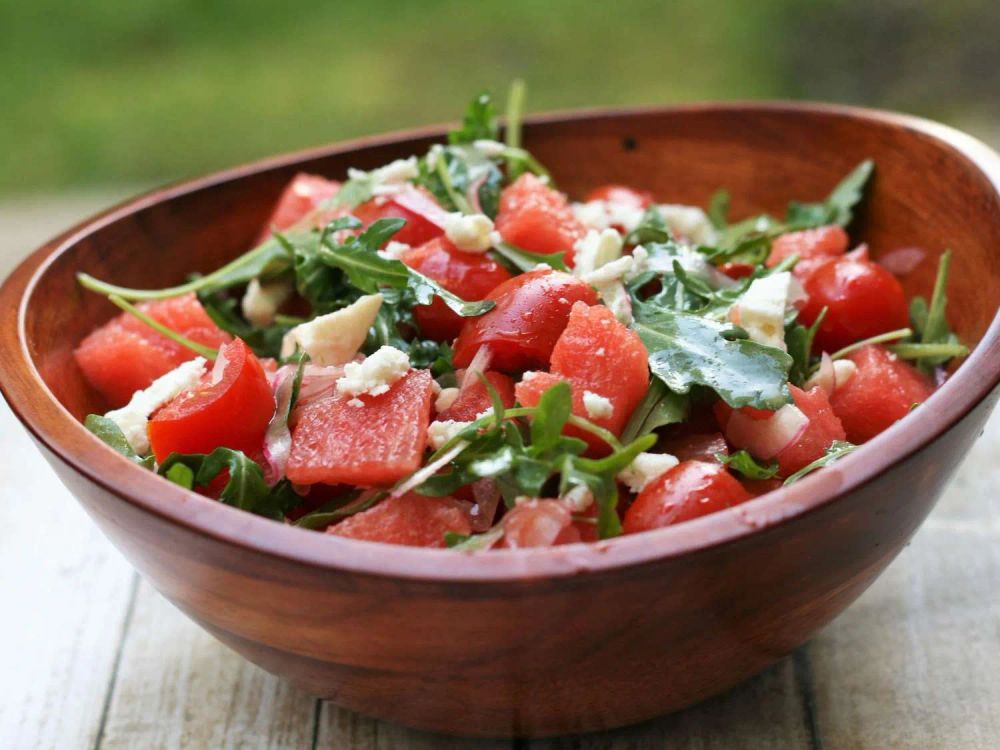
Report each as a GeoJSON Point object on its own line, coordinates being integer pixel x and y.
{"type": "Point", "coordinates": [535, 217]}
{"type": "Point", "coordinates": [304, 193]}
{"type": "Point", "coordinates": [373, 445]}
{"type": "Point", "coordinates": [125, 355]}
{"type": "Point", "coordinates": [809, 244]}
{"type": "Point", "coordinates": [474, 398]}
{"type": "Point", "coordinates": [411, 519]}
{"type": "Point", "coordinates": [595, 354]}
{"type": "Point", "coordinates": [882, 390]}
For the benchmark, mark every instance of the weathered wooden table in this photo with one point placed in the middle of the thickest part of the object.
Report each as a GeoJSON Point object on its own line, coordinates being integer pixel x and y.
{"type": "Point", "coordinates": [92, 657]}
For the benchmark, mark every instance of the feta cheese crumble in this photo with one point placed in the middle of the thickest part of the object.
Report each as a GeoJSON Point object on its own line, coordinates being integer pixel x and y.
{"type": "Point", "coordinates": [133, 418]}
{"type": "Point", "coordinates": [645, 468]}
{"type": "Point", "coordinates": [445, 399]}
{"type": "Point", "coordinates": [761, 309]}
{"type": "Point", "coordinates": [260, 302]}
{"type": "Point", "coordinates": [597, 406]}
{"type": "Point", "coordinates": [601, 214]}
{"type": "Point", "coordinates": [394, 250]}
{"type": "Point", "coordinates": [439, 433]}
{"type": "Point", "coordinates": [394, 172]}
{"type": "Point", "coordinates": [689, 222]}
{"type": "Point", "coordinates": [579, 498]}
{"type": "Point", "coordinates": [376, 374]}
{"type": "Point", "coordinates": [595, 250]}
{"type": "Point", "coordinates": [490, 149]}
{"type": "Point", "coordinates": [334, 338]}
{"type": "Point", "coordinates": [470, 233]}
{"type": "Point", "coordinates": [611, 272]}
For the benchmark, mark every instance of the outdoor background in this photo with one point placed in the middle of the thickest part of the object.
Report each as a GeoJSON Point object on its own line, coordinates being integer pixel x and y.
{"type": "Point", "coordinates": [116, 94]}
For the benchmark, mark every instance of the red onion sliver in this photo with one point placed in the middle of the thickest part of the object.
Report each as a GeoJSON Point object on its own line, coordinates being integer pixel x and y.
{"type": "Point", "coordinates": [766, 438]}
{"type": "Point", "coordinates": [278, 438]}
{"type": "Point", "coordinates": [472, 194]}
{"type": "Point", "coordinates": [487, 496]}
{"type": "Point", "coordinates": [480, 363]}
{"type": "Point", "coordinates": [903, 260]}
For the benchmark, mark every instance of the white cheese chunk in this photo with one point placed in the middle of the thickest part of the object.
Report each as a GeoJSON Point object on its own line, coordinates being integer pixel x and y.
{"type": "Point", "coordinates": [579, 498]}
{"type": "Point", "coordinates": [490, 149]}
{"type": "Point", "coordinates": [690, 222]}
{"type": "Point", "coordinates": [597, 406]}
{"type": "Point", "coordinates": [261, 301]}
{"type": "Point", "coordinates": [611, 272]}
{"type": "Point", "coordinates": [645, 468]}
{"type": "Point", "coordinates": [439, 433]}
{"type": "Point", "coordinates": [595, 250]}
{"type": "Point", "coordinates": [445, 399]}
{"type": "Point", "coordinates": [761, 309]}
{"type": "Point", "coordinates": [470, 233]}
{"type": "Point", "coordinates": [601, 214]}
{"type": "Point", "coordinates": [334, 338]}
{"type": "Point", "coordinates": [394, 250]}
{"type": "Point", "coordinates": [376, 374]}
{"type": "Point", "coordinates": [394, 172]}
{"type": "Point", "coordinates": [133, 418]}
{"type": "Point", "coordinates": [843, 370]}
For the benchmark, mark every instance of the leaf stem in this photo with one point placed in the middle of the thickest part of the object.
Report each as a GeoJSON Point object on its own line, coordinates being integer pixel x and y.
{"type": "Point", "coordinates": [920, 351]}
{"type": "Point", "coordinates": [205, 351]}
{"type": "Point", "coordinates": [515, 111]}
{"type": "Point", "coordinates": [901, 333]}
{"type": "Point", "coordinates": [449, 187]}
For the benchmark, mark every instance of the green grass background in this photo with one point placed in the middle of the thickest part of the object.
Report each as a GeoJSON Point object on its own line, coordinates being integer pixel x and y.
{"type": "Point", "coordinates": [113, 91]}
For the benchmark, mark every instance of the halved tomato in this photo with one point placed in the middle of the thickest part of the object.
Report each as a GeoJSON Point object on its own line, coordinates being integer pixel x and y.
{"type": "Point", "coordinates": [230, 408]}
{"type": "Point", "coordinates": [305, 193]}
{"type": "Point", "coordinates": [424, 216]}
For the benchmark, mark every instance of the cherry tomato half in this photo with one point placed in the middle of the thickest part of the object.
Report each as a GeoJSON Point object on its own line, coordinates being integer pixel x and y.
{"type": "Point", "coordinates": [424, 217]}
{"type": "Point", "coordinates": [230, 409]}
{"type": "Point", "coordinates": [531, 312]}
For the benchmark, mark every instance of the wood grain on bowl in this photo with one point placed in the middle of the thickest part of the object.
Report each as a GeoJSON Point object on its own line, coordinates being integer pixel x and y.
{"type": "Point", "coordinates": [564, 639]}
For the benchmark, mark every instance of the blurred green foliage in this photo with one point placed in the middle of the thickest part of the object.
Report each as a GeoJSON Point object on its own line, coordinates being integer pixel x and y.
{"type": "Point", "coordinates": [138, 90]}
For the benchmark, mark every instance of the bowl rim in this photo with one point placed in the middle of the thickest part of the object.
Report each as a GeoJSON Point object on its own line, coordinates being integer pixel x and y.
{"type": "Point", "coordinates": [53, 427]}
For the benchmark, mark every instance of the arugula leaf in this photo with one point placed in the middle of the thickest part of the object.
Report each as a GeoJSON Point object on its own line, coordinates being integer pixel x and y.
{"type": "Point", "coordinates": [354, 192]}
{"type": "Point", "coordinates": [837, 449]}
{"type": "Point", "coordinates": [659, 407]}
{"type": "Point", "coordinates": [479, 123]}
{"type": "Point", "coordinates": [246, 488]}
{"type": "Point", "coordinates": [367, 270]}
{"type": "Point", "coordinates": [752, 249]}
{"type": "Point", "coordinates": [746, 465]}
{"type": "Point", "coordinates": [221, 308]}
{"type": "Point", "coordinates": [935, 343]}
{"type": "Point", "coordinates": [687, 349]}
{"type": "Point", "coordinates": [839, 205]}
{"type": "Point", "coordinates": [346, 504]}
{"type": "Point", "coordinates": [554, 408]}
{"type": "Point", "coordinates": [267, 260]}
{"type": "Point", "coordinates": [451, 172]}
{"type": "Point", "coordinates": [111, 435]}
{"type": "Point", "coordinates": [525, 261]}
{"type": "Point", "coordinates": [799, 341]}
{"type": "Point", "coordinates": [652, 227]}
{"type": "Point", "coordinates": [473, 542]}
{"type": "Point", "coordinates": [718, 208]}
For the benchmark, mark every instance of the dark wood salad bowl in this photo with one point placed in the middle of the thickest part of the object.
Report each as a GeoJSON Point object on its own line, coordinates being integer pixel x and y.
{"type": "Point", "coordinates": [556, 640]}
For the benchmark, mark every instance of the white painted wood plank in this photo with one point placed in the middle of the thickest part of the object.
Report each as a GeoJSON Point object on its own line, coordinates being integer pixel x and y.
{"type": "Point", "coordinates": [177, 688]}
{"type": "Point", "coordinates": [916, 661]}
{"type": "Point", "coordinates": [765, 713]}
{"type": "Point", "coordinates": [340, 729]}
{"type": "Point", "coordinates": [65, 592]}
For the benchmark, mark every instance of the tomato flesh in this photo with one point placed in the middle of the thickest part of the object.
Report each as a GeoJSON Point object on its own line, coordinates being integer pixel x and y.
{"type": "Point", "coordinates": [535, 217]}
{"type": "Point", "coordinates": [862, 300]}
{"type": "Point", "coordinates": [469, 275]}
{"type": "Point", "coordinates": [424, 216]}
{"type": "Point", "coordinates": [881, 391]}
{"type": "Point", "coordinates": [304, 194]}
{"type": "Point", "coordinates": [474, 399]}
{"type": "Point", "coordinates": [374, 445]}
{"type": "Point", "coordinates": [410, 519]}
{"type": "Point", "coordinates": [125, 355]}
{"type": "Point", "coordinates": [622, 195]}
{"type": "Point", "coordinates": [228, 409]}
{"type": "Point", "coordinates": [530, 314]}
{"type": "Point", "coordinates": [689, 490]}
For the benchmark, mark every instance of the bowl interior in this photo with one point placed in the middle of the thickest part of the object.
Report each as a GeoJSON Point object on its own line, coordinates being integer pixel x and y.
{"type": "Point", "coordinates": [925, 194]}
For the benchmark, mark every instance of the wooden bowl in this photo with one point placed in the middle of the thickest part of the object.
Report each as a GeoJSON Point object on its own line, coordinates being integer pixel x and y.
{"type": "Point", "coordinates": [545, 641]}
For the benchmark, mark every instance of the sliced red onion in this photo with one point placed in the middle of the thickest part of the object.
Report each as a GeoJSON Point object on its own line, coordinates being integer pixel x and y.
{"type": "Point", "coordinates": [825, 377]}
{"type": "Point", "coordinates": [903, 260]}
{"type": "Point", "coordinates": [487, 496]}
{"type": "Point", "coordinates": [421, 204]}
{"type": "Point", "coordinates": [278, 438]}
{"type": "Point", "coordinates": [420, 476]}
{"type": "Point", "coordinates": [858, 253]}
{"type": "Point", "coordinates": [480, 363]}
{"type": "Point", "coordinates": [472, 194]}
{"type": "Point", "coordinates": [766, 438]}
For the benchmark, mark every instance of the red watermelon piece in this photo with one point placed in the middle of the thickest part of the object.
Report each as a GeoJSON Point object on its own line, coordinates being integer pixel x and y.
{"type": "Point", "coordinates": [809, 244]}
{"type": "Point", "coordinates": [595, 353]}
{"type": "Point", "coordinates": [373, 445]}
{"type": "Point", "coordinates": [411, 519]}
{"type": "Point", "coordinates": [881, 391]}
{"type": "Point", "coordinates": [125, 355]}
{"type": "Point", "coordinates": [535, 217]}
{"type": "Point", "coordinates": [305, 193]}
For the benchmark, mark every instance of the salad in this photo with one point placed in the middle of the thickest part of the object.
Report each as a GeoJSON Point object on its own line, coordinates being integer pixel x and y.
{"type": "Point", "coordinates": [447, 351]}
